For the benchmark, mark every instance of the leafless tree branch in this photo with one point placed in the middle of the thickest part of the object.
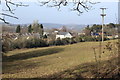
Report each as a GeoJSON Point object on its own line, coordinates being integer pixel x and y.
{"type": "Point", "coordinates": [4, 20]}
{"type": "Point", "coordinates": [54, 3]}
{"type": "Point", "coordinates": [9, 9]}
{"type": "Point", "coordinates": [79, 5]}
{"type": "Point", "coordinates": [14, 4]}
{"type": "Point", "coordinates": [9, 4]}
{"type": "Point", "coordinates": [8, 15]}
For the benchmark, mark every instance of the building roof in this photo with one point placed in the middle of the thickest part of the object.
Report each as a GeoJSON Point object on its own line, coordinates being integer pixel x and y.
{"type": "Point", "coordinates": [63, 33]}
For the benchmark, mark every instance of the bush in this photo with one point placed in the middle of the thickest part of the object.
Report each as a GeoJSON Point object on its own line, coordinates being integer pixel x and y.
{"type": "Point", "coordinates": [100, 38]}
{"type": "Point", "coordinates": [30, 43]}
{"type": "Point", "coordinates": [72, 41]}
{"type": "Point", "coordinates": [20, 43]}
{"type": "Point", "coordinates": [88, 38]}
{"type": "Point", "coordinates": [78, 39]}
{"type": "Point", "coordinates": [35, 42]}
{"type": "Point", "coordinates": [7, 45]}
{"type": "Point", "coordinates": [58, 42]}
{"type": "Point", "coordinates": [66, 41]}
{"type": "Point", "coordinates": [51, 43]}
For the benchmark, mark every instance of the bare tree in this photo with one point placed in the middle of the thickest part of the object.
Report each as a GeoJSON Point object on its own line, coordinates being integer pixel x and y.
{"type": "Point", "coordinates": [9, 9]}
{"type": "Point", "coordinates": [78, 5]}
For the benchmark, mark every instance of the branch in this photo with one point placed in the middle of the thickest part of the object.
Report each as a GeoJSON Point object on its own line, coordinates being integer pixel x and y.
{"type": "Point", "coordinates": [8, 15]}
{"type": "Point", "coordinates": [77, 8]}
{"type": "Point", "coordinates": [16, 4]}
{"type": "Point", "coordinates": [9, 9]}
{"type": "Point", "coordinates": [80, 5]}
{"type": "Point", "coordinates": [9, 4]}
{"type": "Point", "coordinates": [54, 3]}
{"type": "Point", "coordinates": [57, 4]}
{"type": "Point", "coordinates": [4, 20]}
{"type": "Point", "coordinates": [44, 3]}
{"type": "Point", "coordinates": [93, 2]}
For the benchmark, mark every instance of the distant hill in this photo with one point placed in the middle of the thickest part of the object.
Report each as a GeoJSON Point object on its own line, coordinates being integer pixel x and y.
{"type": "Point", "coordinates": [75, 27]}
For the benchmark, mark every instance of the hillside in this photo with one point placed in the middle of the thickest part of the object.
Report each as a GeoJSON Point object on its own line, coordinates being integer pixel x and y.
{"type": "Point", "coordinates": [76, 27]}
{"type": "Point", "coordinates": [47, 26]}
{"type": "Point", "coordinates": [49, 61]}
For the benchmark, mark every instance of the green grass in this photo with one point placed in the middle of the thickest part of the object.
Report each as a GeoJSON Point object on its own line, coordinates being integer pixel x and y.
{"type": "Point", "coordinates": [41, 62]}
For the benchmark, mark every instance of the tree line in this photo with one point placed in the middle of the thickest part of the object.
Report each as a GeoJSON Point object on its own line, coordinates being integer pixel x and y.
{"type": "Point", "coordinates": [10, 44]}
{"type": "Point", "coordinates": [32, 28]}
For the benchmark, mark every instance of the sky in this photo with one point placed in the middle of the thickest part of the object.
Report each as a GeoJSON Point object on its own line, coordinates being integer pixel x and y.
{"type": "Point", "coordinates": [46, 14]}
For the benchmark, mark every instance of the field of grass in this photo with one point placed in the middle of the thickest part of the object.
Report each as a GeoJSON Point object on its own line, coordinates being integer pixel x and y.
{"type": "Point", "coordinates": [42, 62]}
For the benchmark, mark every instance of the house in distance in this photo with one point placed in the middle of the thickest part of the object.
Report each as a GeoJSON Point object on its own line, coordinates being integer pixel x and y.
{"type": "Point", "coordinates": [62, 35]}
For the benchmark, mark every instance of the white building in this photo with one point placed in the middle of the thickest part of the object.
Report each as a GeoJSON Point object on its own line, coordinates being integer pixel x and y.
{"type": "Point", "coordinates": [116, 36]}
{"type": "Point", "coordinates": [62, 35]}
{"type": "Point", "coordinates": [45, 33]}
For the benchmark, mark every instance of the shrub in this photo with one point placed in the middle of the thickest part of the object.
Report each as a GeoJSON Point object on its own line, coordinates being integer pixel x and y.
{"type": "Point", "coordinates": [100, 38]}
{"type": "Point", "coordinates": [88, 38]}
{"type": "Point", "coordinates": [78, 39]}
{"type": "Point", "coordinates": [19, 43]}
{"type": "Point", "coordinates": [7, 45]}
{"type": "Point", "coordinates": [42, 43]}
{"type": "Point", "coordinates": [30, 43]}
{"type": "Point", "coordinates": [58, 41]}
{"type": "Point", "coordinates": [35, 42]}
{"type": "Point", "coordinates": [72, 40]}
{"type": "Point", "coordinates": [51, 43]}
{"type": "Point", "coordinates": [66, 41]}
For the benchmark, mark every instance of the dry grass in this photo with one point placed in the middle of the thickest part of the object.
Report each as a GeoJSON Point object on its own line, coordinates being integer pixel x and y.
{"type": "Point", "coordinates": [41, 62]}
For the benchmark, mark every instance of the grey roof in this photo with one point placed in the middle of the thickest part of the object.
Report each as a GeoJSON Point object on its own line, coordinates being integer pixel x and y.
{"type": "Point", "coordinates": [63, 33]}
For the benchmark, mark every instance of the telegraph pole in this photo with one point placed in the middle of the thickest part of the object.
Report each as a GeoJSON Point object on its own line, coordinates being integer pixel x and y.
{"type": "Point", "coordinates": [103, 15]}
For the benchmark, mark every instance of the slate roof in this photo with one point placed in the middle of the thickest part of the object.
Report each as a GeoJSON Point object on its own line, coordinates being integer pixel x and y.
{"type": "Point", "coordinates": [63, 33]}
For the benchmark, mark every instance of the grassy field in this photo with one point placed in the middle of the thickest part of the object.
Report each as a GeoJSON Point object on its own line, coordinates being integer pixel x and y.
{"type": "Point", "coordinates": [42, 62]}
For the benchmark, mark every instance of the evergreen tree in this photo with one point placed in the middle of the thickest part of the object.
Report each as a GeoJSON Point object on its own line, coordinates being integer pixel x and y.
{"type": "Point", "coordinates": [41, 26]}
{"type": "Point", "coordinates": [111, 25]}
{"type": "Point", "coordinates": [41, 31]}
{"type": "Point", "coordinates": [18, 29]}
{"type": "Point", "coordinates": [45, 36]}
{"type": "Point", "coordinates": [30, 28]}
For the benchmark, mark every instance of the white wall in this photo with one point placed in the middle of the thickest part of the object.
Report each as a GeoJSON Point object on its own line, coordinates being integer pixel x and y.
{"type": "Point", "coordinates": [68, 35]}
{"type": "Point", "coordinates": [62, 36]}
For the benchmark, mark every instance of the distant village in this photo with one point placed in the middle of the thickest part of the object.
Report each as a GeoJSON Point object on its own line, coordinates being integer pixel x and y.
{"type": "Point", "coordinates": [54, 33]}
{"type": "Point", "coordinates": [35, 35]}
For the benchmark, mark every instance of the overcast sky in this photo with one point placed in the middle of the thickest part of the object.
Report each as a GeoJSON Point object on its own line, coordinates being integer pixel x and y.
{"type": "Point", "coordinates": [65, 15]}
